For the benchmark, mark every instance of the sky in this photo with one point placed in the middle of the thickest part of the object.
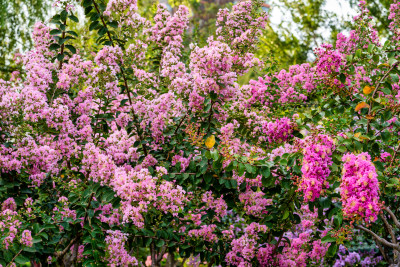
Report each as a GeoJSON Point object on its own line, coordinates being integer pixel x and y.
{"type": "Point", "coordinates": [340, 7]}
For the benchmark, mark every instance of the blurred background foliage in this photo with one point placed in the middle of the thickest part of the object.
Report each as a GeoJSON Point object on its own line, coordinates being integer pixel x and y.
{"type": "Point", "coordinates": [304, 25]}
{"type": "Point", "coordinates": [16, 20]}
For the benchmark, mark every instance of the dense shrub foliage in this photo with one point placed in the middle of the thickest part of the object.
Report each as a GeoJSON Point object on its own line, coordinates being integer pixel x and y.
{"type": "Point", "coordinates": [141, 151]}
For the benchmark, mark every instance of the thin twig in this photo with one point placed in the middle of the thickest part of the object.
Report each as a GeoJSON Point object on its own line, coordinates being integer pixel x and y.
{"type": "Point", "coordinates": [180, 123]}
{"type": "Point", "coordinates": [376, 89]}
{"type": "Point", "coordinates": [16, 255]}
{"type": "Point", "coordinates": [394, 155]}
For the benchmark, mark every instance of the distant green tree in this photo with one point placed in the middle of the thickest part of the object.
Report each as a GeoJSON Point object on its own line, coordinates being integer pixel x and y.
{"type": "Point", "coordinates": [16, 21]}
{"type": "Point", "coordinates": [288, 47]}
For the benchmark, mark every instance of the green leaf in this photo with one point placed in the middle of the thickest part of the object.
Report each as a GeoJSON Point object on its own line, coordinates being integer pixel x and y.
{"type": "Point", "coordinates": [63, 15]}
{"type": "Point", "coordinates": [358, 53]}
{"type": "Point", "coordinates": [160, 243]}
{"type": "Point", "coordinates": [214, 154]}
{"type": "Point", "coordinates": [249, 168]}
{"type": "Point", "coordinates": [386, 90]}
{"type": "Point", "coordinates": [113, 24]}
{"type": "Point", "coordinates": [266, 172]}
{"type": "Point", "coordinates": [342, 78]}
{"type": "Point", "coordinates": [56, 17]}
{"type": "Point", "coordinates": [392, 61]}
{"type": "Point", "coordinates": [385, 136]}
{"type": "Point", "coordinates": [30, 249]}
{"type": "Point", "coordinates": [332, 250]}
{"type": "Point", "coordinates": [102, 30]}
{"type": "Point", "coordinates": [286, 214]}
{"type": "Point", "coordinates": [72, 33]}
{"type": "Point", "coordinates": [395, 78]}
{"type": "Point", "coordinates": [54, 46]}
{"type": "Point", "coordinates": [328, 239]}
{"type": "Point", "coordinates": [148, 241]}
{"type": "Point", "coordinates": [93, 25]}
{"type": "Point", "coordinates": [71, 48]}
{"type": "Point", "coordinates": [55, 32]}
{"type": "Point", "coordinates": [86, 3]}
{"type": "Point", "coordinates": [207, 178]}
{"type": "Point", "coordinates": [371, 48]}
{"type": "Point", "coordinates": [90, 213]}
{"type": "Point", "coordinates": [241, 169]}
{"type": "Point", "coordinates": [94, 16]}
{"type": "Point", "coordinates": [73, 18]}
{"type": "Point", "coordinates": [36, 240]}
{"type": "Point", "coordinates": [21, 259]}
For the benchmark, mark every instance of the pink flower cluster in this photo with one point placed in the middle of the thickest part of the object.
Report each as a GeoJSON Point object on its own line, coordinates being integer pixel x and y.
{"type": "Point", "coordinates": [109, 215]}
{"type": "Point", "coordinates": [361, 37]}
{"type": "Point", "coordinates": [9, 204]}
{"type": "Point", "coordinates": [9, 225]}
{"type": "Point", "coordinates": [238, 28]}
{"type": "Point", "coordinates": [168, 30]}
{"type": "Point", "coordinates": [140, 191]}
{"type": "Point", "coordinates": [254, 202]}
{"type": "Point", "coordinates": [26, 238]}
{"type": "Point", "coordinates": [184, 162]}
{"type": "Point", "coordinates": [278, 131]}
{"type": "Point", "coordinates": [359, 188]}
{"type": "Point", "coordinates": [218, 205]}
{"type": "Point", "coordinates": [206, 233]}
{"type": "Point", "coordinates": [116, 253]}
{"type": "Point", "coordinates": [299, 254]}
{"type": "Point", "coordinates": [317, 154]}
{"type": "Point", "coordinates": [301, 250]}
{"type": "Point", "coordinates": [329, 60]}
{"type": "Point", "coordinates": [245, 248]}
{"type": "Point", "coordinates": [394, 15]}
{"type": "Point", "coordinates": [283, 87]}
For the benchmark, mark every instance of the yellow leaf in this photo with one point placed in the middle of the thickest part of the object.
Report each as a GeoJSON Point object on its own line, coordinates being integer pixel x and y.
{"type": "Point", "coordinates": [370, 117]}
{"type": "Point", "coordinates": [210, 141]}
{"type": "Point", "coordinates": [361, 105]}
{"type": "Point", "coordinates": [357, 135]}
{"type": "Point", "coordinates": [368, 89]}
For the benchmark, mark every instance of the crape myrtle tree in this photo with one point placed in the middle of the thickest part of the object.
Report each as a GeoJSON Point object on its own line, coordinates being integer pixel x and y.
{"type": "Point", "coordinates": [129, 155]}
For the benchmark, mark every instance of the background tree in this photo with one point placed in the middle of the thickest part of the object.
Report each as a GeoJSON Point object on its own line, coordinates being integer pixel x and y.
{"type": "Point", "coordinates": [16, 21]}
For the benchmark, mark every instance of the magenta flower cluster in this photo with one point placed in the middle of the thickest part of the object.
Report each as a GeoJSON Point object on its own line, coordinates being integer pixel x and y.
{"type": "Point", "coordinates": [359, 188]}
{"type": "Point", "coordinates": [317, 154]}
{"type": "Point", "coordinates": [278, 131]}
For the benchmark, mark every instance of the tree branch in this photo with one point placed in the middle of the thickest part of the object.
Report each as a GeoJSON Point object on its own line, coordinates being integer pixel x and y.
{"type": "Point", "coordinates": [396, 222]}
{"type": "Point", "coordinates": [60, 255]}
{"type": "Point", "coordinates": [388, 228]}
{"type": "Point", "coordinates": [62, 46]}
{"type": "Point", "coordinates": [381, 250]}
{"type": "Point", "coordinates": [180, 123]}
{"type": "Point", "coordinates": [378, 238]}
